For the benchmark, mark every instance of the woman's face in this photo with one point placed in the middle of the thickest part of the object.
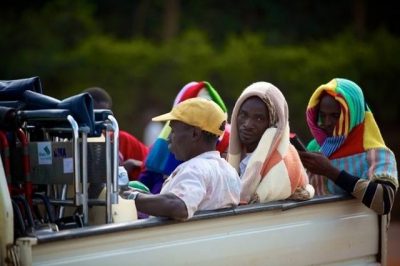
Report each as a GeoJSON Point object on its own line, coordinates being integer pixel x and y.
{"type": "Point", "coordinates": [252, 121]}
{"type": "Point", "coordinates": [329, 113]}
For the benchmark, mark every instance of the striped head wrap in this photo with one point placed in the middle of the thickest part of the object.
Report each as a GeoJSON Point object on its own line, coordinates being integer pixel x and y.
{"type": "Point", "coordinates": [356, 147]}
{"type": "Point", "coordinates": [356, 129]}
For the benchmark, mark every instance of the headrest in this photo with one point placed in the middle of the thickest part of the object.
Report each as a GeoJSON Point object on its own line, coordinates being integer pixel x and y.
{"type": "Point", "coordinates": [11, 90]}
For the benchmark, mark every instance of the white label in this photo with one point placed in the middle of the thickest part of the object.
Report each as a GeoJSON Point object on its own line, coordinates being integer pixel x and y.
{"type": "Point", "coordinates": [68, 165]}
{"type": "Point", "coordinates": [44, 153]}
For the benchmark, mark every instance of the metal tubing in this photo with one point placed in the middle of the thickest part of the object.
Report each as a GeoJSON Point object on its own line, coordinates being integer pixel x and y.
{"type": "Point", "coordinates": [63, 197]}
{"type": "Point", "coordinates": [115, 157]}
{"type": "Point", "coordinates": [26, 165]}
{"type": "Point", "coordinates": [77, 179]}
{"type": "Point", "coordinates": [85, 207]}
{"type": "Point", "coordinates": [108, 181]}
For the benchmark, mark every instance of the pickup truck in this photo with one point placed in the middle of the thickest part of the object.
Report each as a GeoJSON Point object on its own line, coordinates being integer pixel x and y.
{"type": "Point", "coordinates": [50, 146]}
{"type": "Point", "coordinates": [329, 230]}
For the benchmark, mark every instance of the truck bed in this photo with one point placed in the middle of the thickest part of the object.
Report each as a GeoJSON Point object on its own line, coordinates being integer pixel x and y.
{"type": "Point", "coordinates": [326, 230]}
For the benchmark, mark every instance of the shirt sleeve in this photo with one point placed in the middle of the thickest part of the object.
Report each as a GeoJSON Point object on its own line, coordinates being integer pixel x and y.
{"type": "Point", "coordinates": [188, 185]}
{"type": "Point", "coordinates": [377, 195]}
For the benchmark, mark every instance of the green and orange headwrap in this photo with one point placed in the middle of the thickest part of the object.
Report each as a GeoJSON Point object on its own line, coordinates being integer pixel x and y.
{"type": "Point", "coordinates": [355, 114]}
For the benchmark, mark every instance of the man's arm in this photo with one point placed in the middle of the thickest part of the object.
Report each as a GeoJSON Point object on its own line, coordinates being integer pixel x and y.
{"type": "Point", "coordinates": [377, 195]}
{"type": "Point", "coordinates": [166, 205]}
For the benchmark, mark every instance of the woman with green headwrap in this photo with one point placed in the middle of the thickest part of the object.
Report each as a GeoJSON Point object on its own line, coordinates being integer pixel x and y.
{"type": "Point", "coordinates": [348, 153]}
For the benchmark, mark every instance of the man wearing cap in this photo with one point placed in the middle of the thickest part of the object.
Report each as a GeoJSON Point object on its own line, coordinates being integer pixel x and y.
{"type": "Point", "coordinates": [204, 181]}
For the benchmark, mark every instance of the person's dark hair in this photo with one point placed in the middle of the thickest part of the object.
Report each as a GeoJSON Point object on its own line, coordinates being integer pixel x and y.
{"type": "Point", "coordinates": [209, 137]}
{"type": "Point", "coordinates": [100, 96]}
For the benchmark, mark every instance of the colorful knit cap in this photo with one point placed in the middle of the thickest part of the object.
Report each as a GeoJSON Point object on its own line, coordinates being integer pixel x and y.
{"type": "Point", "coordinates": [200, 89]}
{"type": "Point", "coordinates": [356, 129]}
{"type": "Point", "coordinates": [160, 159]}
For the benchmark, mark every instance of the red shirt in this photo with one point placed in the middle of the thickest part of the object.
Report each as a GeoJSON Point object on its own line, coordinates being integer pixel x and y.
{"type": "Point", "coordinates": [131, 148]}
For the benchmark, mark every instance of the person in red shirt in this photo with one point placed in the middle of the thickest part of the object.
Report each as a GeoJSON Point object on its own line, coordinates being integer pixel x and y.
{"type": "Point", "coordinates": [132, 151]}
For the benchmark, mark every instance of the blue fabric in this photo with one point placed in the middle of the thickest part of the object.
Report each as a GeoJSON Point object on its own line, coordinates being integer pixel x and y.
{"type": "Point", "coordinates": [11, 90]}
{"type": "Point", "coordinates": [331, 144]}
{"type": "Point", "coordinates": [152, 180]}
{"type": "Point", "coordinates": [80, 106]}
{"type": "Point", "coordinates": [160, 159]}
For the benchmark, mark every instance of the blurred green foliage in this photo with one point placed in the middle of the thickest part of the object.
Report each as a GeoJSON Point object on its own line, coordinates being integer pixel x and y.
{"type": "Point", "coordinates": [120, 45]}
{"type": "Point", "coordinates": [70, 52]}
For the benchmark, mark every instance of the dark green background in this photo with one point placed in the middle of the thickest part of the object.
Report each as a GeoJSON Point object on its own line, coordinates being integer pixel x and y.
{"type": "Point", "coordinates": [144, 51]}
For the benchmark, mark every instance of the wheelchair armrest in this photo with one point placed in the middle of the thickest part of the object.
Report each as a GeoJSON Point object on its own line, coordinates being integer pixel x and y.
{"type": "Point", "coordinates": [44, 115]}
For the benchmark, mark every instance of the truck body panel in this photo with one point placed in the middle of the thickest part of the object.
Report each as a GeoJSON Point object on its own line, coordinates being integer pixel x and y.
{"type": "Point", "coordinates": [332, 230]}
{"type": "Point", "coordinates": [336, 232]}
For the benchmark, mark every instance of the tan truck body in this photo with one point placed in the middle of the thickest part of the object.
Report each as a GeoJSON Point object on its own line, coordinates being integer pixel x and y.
{"type": "Point", "coordinates": [323, 231]}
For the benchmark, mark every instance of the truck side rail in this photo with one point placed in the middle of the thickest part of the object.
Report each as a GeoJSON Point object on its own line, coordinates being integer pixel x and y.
{"type": "Point", "coordinates": [201, 215]}
{"type": "Point", "coordinates": [328, 230]}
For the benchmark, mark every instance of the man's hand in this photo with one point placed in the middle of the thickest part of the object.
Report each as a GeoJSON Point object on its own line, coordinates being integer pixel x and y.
{"type": "Point", "coordinates": [129, 194]}
{"type": "Point", "coordinates": [134, 186]}
{"type": "Point", "coordinates": [131, 164]}
{"type": "Point", "coordinates": [317, 163]}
